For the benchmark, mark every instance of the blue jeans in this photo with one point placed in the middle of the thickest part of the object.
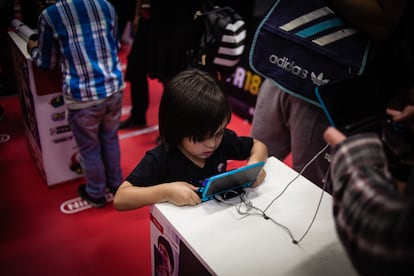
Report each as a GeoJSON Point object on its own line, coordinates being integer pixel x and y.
{"type": "Point", "coordinates": [95, 131]}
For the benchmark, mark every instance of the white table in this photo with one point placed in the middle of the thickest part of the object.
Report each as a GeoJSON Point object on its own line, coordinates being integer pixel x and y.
{"type": "Point", "coordinates": [226, 243]}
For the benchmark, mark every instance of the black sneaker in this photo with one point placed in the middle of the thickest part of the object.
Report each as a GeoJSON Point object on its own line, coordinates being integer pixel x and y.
{"type": "Point", "coordinates": [113, 190]}
{"type": "Point", "coordinates": [95, 202]}
{"type": "Point", "coordinates": [158, 140]}
{"type": "Point", "coordinates": [130, 123]}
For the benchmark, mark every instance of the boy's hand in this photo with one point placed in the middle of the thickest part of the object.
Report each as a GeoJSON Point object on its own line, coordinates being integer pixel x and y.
{"type": "Point", "coordinates": [259, 179]}
{"type": "Point", "coordinates": [182, 193]}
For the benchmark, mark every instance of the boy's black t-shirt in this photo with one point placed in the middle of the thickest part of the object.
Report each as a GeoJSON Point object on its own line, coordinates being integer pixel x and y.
{"type": "Point", "coordinates": [160, 166]}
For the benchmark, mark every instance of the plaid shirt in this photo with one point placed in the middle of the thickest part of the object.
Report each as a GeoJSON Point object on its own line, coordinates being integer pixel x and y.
{"type": "Point", "coordinates": [374, 221]}
{"type": "Point", "coordinates": [83, 32]}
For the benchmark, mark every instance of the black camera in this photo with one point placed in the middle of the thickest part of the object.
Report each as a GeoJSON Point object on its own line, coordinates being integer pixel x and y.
{"type": "Point", "coordinates": [356, 106]}
{"type": "Point", "coordinates": [398, 143]}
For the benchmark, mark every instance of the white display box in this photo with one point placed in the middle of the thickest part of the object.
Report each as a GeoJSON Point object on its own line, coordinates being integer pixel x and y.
{"type": "Point", "coordinates": [50, 139]}
{"type": "Point", "coordinates": [213, 238]}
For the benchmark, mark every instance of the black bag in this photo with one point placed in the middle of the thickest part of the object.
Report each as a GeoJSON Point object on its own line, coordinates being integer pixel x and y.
{"type": "Point", "coordinates": [300, 45]}
{"type": "Point", "coordinates": [223, 39]}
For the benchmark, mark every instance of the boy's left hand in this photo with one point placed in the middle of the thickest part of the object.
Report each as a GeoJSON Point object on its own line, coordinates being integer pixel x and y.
{"type": "Point", "coordinates": [259, 178]}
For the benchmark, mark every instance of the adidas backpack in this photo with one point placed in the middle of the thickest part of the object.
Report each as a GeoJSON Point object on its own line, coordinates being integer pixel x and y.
{"type": "Point", "coordinates": [300, 45]}
{"type": "Point", "coordinates": [223, 39]}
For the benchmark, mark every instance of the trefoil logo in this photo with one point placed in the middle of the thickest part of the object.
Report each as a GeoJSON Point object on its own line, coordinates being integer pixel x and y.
{"type": "Point", "coordinates": [318, 79]}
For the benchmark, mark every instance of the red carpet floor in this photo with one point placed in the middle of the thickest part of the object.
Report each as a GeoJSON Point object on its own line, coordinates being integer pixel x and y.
{"type": "Point", "coordinates": [37, 238]}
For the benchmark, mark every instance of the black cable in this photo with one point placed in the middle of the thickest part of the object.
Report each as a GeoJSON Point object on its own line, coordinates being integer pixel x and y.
{"type": "Point", "coordinates": [317, 208]}
{"type": "Point", "coordinates": [247, 203]}
{"type": "Point", "coordinates": [299, 174]}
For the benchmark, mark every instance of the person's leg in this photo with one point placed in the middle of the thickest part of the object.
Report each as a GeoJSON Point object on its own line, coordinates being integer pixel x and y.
{"type": "Point", "coordinates": [111, 153]}
{"type": "Point", "coordinates": [85, 124]}
{"type": "Point", "coordinates": [307, 124]}
{"type": "Point", "coordinates": [140, 99]}
{"type": "Point", "coordinates": [269, 122]}
{"type": "Point", "coordinates": [285, 123]}
{"type": "Point", "coordinates": [136, 74]}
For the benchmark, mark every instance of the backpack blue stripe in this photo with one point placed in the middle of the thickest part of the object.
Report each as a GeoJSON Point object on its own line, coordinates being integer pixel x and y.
{"type": "Point", "coordinates": [320, 27]}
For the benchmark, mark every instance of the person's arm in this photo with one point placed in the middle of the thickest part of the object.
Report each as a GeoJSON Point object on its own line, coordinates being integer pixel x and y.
{"type": "Point", "coordinates": [376, 17]}
{"type": "Point", "coordinates": [43, 50]}
{"type": "Point", "coordinates": [32, 46]}
{"type": "Point", "coordinates": [258, 153]}
{"type": "Point", "coordinates": [370, 213]}
{"type": "Point", "coordinates": [130, 197]}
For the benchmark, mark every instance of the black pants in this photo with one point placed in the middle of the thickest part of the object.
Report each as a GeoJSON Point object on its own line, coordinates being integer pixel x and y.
{"type": "Point", "coordinates": [136, 72]}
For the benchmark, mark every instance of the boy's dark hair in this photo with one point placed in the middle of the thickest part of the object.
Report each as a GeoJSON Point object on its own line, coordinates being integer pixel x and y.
{"type": "Point", "coordinates": [193, 105]}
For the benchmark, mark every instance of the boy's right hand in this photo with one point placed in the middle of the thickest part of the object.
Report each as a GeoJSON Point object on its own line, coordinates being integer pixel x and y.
{"type": "Point", "coordinates": [183, 193]}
